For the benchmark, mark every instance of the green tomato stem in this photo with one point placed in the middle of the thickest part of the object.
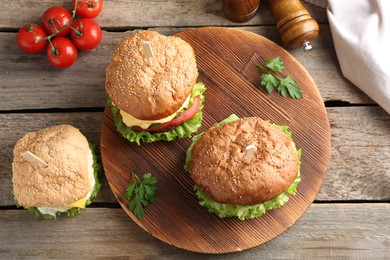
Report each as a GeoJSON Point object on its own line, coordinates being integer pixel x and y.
{"type": "Point", "coordinates": [54, 50]}
{"type": "Point", "coordinates": [74, 9]}
{"type": "Point", "coordinates": [51, 22]}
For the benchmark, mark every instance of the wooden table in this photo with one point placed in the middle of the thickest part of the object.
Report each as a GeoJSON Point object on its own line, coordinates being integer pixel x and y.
{"type": "Point", "coordinates": [349, 218]}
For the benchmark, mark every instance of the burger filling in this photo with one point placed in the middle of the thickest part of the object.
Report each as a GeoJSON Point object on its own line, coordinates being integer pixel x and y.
{"type": "Point", "coordinates": [183, 123]}
{"type": "Point", "coordinates": [131, 121]}
{"type": "Point", "coordinates": [243, 212]}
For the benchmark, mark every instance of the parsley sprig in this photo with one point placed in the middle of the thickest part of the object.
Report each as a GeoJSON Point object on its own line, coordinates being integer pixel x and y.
{"type": "Point", "coordinates": [274, 79]}
{"type": "Point", "coordinates": [140, 193]}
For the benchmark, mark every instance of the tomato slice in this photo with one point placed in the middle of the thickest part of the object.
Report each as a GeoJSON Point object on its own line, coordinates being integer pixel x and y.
{"type": "Point", "coordinates": [187, 115]}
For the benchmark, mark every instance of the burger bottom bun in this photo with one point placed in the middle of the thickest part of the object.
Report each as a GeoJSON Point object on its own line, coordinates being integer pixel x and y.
{"type": "Point", "coordinates": [219, 168]}
{"type": "Point", "coordinates": [65, 178]}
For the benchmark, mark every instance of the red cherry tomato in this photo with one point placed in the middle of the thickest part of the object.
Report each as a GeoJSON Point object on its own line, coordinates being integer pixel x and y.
{"type": "Point", "coordinates": [61, 53]}
{"type": "Point", "coordinates": [30, 38]}
{"type": "Point", "coordinates": [55, 19]}
{"type": "Point", "coordinates": [187, 114]}
{"type": "Point", "coordinates": [88, 8]}
{"type": "Point", "coordinates": [87, 34]}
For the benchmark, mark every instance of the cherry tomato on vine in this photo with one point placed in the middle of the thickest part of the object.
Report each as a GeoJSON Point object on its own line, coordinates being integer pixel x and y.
{"type": "Point", "coordinates": [88, 8]}
{"type": "Point", "coordinates": [55, 19]}
{"type": "Point", "coordinates": [61, 52]}
{"type": "Point", "coordinates": [30, 38]}
{"type": "Point", "coordinates": [86, 34]}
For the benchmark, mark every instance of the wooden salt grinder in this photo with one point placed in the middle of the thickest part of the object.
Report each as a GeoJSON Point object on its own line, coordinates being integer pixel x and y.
{"type": "Point", "coordinates": [240, 11]}
{"type": "Point", "coordinates": [295, 25]}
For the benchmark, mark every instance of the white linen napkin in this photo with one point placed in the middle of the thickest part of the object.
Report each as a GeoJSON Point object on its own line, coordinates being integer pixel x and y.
{"type": "Point", "coordinates": [361, 35]}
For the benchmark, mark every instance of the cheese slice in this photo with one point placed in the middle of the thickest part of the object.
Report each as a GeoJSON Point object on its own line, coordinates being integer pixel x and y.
{"type": "Point", "coordinates": [82, 202]}
{"type": "Point", "coordinates": [130, 121]}
{"type": "Point", "coordinates": [78, 204]}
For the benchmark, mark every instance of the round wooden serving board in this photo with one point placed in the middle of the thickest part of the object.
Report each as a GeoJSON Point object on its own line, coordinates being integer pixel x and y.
{"type": "Point", "coordinates": [226, 61]}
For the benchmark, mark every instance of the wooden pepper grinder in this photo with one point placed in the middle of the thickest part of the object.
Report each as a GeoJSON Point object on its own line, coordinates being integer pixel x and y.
{"type": "Point", "coordinates": [295, 25]}
{"type": "Point", "coordinates": [240, 11]}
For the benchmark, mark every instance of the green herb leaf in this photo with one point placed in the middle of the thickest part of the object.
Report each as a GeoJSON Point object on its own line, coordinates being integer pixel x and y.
{"type": "Point", "coordinates": [150, 193]}
{"type": "Point", "coordinates": [275, 64]}
{"type": "Point", "coordinates": [140, 193]}
{"type": "Point", "coordinates": [269, 81]}
{"type": "Point", "coordinates": [272, 79]}
{"type": "Point", "coordinates": [148, 179]}
{"type": "Point", "coordinates": [129, 191]}
{"type": "Point", "coordinates": [288, 84]}
{"type": "Point", "coordinates": [282, 89]}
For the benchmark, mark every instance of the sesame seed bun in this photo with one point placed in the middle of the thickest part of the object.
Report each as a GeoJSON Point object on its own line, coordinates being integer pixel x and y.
{"type": "Point", "coordinates": [65, 178]}
{"type": "Point", "coordinates": [219, 168]}
{"type": "Point", "coordinates": [151, 92]}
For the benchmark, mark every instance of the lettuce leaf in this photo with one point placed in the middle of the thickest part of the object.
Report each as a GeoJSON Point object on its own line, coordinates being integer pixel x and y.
{"type": "Point", "coordinates": [181, 131]}
{"type": "Point", "coordinates": [97, 171]}
{"type": "Point", "coordinates": [243, 212]}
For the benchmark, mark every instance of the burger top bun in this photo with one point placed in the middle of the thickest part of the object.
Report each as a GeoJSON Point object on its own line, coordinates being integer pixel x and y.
{"type": "Point", "coordinates": [219, 168]}
{"type": "Point", "coordinates": [65, 178]}
{"type": "Point", "coordinates": [151, 92]}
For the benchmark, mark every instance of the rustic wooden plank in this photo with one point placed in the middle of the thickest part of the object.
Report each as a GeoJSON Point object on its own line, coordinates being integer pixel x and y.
{"type": "Point", "coordinates": [126, 14]}
{"type": "Point", "coordinates": [360, 160]}
{"type": "Point", "coordinates": [359, 167]}
{"type": "Point", "coordinates": [361, 231]}
{"type": "Point", "coordinates": [26, 77]}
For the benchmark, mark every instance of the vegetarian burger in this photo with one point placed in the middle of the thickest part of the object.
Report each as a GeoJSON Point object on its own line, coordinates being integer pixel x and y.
{"type": "Point", "coordinates": [55, 171]}
{"type": "Point", "coordinates": [152, 91]}
{"type": "Point", "coordinates": [244, 167]}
